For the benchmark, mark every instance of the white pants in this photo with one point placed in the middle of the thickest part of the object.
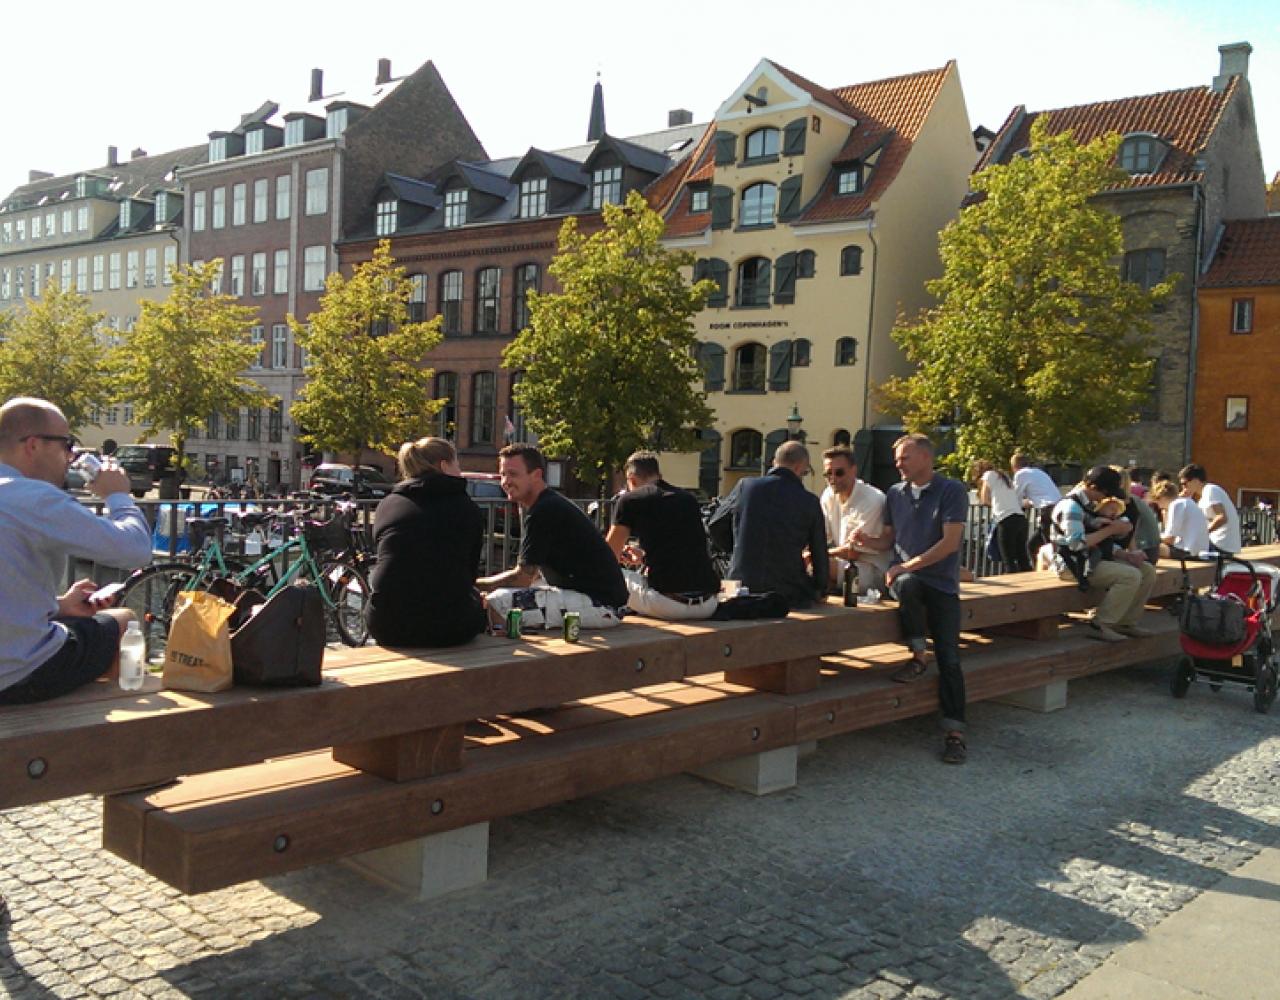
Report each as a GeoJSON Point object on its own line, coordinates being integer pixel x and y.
{"type": "Point", "coordinates": [544, 607]}
{"type": "Point", "coordinates": [645, 600]}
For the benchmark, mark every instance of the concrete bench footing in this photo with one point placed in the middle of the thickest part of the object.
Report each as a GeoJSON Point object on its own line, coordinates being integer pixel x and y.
{"type": "Point", "coordinates": [757, 773]}
{"type": "Point", "coordinates": [430, 866]}
{"type": "Point", "coordinates": [1049, 698]}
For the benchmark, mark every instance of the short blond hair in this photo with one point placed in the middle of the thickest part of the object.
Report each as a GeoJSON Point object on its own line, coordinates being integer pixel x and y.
{"type": "Point", "coordinates": [424, 457]}
{"type": "Point", "coordinates": [919, 440]}
{"type": "Point", "coordinates": [1164, 489]}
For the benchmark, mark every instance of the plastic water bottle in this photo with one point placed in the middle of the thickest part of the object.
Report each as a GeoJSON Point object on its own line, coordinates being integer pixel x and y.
{"type": "Point", "coordinates": [133, 651]}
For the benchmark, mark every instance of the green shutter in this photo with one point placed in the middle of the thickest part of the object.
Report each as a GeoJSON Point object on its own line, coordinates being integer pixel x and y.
{"type": "Point", "coordinates": [780, 366]}
{"type": "Point", "coordinates": [784, 279]}
{"type": "Point", "coordinates": [772, 441]}
{"type": "Point", "coordinates": [789, 197]}
{"type": "Point", "coordinates": [726, 147]}
{"type": "Point", "coordinates": [711, 356]}
{"type": "Point", "coordinates": [721, 207]}
{"type": "Point", "coordinates": [700, 268]}
{"type": "Point", "coordinates": [793, 137]}
{"type": "Point", "coordinates": [718, 271]}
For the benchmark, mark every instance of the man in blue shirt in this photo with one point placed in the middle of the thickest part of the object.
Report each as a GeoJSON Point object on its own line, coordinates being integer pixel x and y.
{"type": "Point", "coordinates": [50, 644]}
{"type": "Point", "coordinates": [924, 522]}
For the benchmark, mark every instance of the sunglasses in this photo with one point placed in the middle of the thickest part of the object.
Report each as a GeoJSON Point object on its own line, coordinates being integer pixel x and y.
{"type": "Point", "coordinates": [68, 440]}
{"type": "Point", "coordinates": [834, 473]}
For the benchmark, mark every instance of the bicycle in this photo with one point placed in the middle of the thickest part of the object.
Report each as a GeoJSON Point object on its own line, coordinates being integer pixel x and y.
{"type": "Point", "coordinates": [152, 593]}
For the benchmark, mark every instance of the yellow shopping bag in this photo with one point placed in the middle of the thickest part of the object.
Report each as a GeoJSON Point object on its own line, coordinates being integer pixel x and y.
{"type": "Point", "coordinates": [197, 656]}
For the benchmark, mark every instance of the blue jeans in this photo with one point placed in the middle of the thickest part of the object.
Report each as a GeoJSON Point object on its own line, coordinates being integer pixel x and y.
{"type": "Point", "coordinates": [925, 610]}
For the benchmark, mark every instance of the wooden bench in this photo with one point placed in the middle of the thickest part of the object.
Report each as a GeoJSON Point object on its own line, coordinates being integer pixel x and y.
{"type": "Point", "coordinates": [388, 749]}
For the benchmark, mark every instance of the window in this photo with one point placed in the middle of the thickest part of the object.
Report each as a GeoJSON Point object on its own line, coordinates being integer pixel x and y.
{"type": "Point", "coordinates": [82, 219]}
{"type": "Point", "coordinates": [65, 283]}
{"type": "Point", "coordinates": [851, 260]}
{"type": "Point", "coordinates": [488, 288]}
{"type": "Point", "coordinates": [258, 276]}
{"type": "Point", "coordinates": [849, 180]}
{"type": "Point", "coordinates": [750, 365]}
{"type": "Point", "coordinates": [260, 196]}
{"type": "Point", "coordinates": [517, 431]}
{"type": "Point", "coordinates": [447, 415]}
{"type": "Point", "coordinates": [606, 187]}
{"type": "Point", "coordinates": [113, 415]}
{"type": "Point", "coordinates": [215, 286]}
{"type": "Point", "coordinates": [233, 425]}
{"type": "Point", "coordinates": [131, 269]}
{"type": "Point", "coordinates": [1237, 413]}
{"type": "Point", "coordinates": [806, 264]}
{"type": "Point", "coordinates": [99, 272]}
{"type": "Point", "coordinates": [335, 123]}
{"type": "Point", "coordinates": [68, 221]}
{"type": "Point", "coordinates": [5, 279]}
{"type": "Point", "coordinates": [753, 282]}
{"type": "Point", "coordinates": [51, 224]}
{"type": "Point", "coordinates": [745, 450]}
{"type": "Point", "coordinates": [213, 426]}
{"type": "Point", "coordinates": [197, 211]}
{"type": "Point", "coordinates": [417, 298]}
{"type": "Point", "coordinates": [35, 227]}
{"type": "Point", "coordinates": [170, 262]}
{"type": "Point", "coordinates": [846, 351]}
{"type": "Point", "coordinates": [317, 202]}
{"type": "Point", "coordinates": [761, 143]}
{"type": "Point", "coordinates": [283, 192]}
{"type": "Point", "coordinates": [1139, 154]}
{"type": "Point", "coordinates": [455, 207]}
{"type": "Point", "coordinates": [387, 212]}
{"type": "Point", "coordinates": [150, 261]}
{"type": "Point", "coordinates": [237, 275]}
{"type": "Point", "coordinates": [1242, 316]}
{"type": "Point", "coordinates": [256, 338]}
{"type": "Point", "coordinates": [126, 215]}
{"type": "Point", "coordinates": [217, 149]}
{"type": "Point", "coordinates": [699, 200]}
{"type": "Point", "coordinates": [757, 205]}
{"type": "Point", "coordinates": [801, 350]}
{"type": "Point", "coordinates": [295, 132]}
{"type": "Point", "coordinates": [1144, 267]}
{"type": "Point", "coordinates": [255, 142]}
{"type": "Point", "coordinates": [238, 194]}
{"type": "Point", "coordinates": [451, 302]}
{"type": "Point", "coordinates": [20, 281]}
{"type": "Point", "coordinates": [533, 198]}
{"type": "Point", "coordinates": [484, 407]}
{"type": "Point", "coordinates": [275, 421]}
{"type": "Point", "coordinates": [253, 420]}
{"type": "Point", "coordinates": [280, 277]}
{"type": "Point", "coordinates": [526, 282]}
{"type": "Point", "coordinates": [127, 413]}
{"type": "Point", "coordinates": [313, 264]}
{"type": "Point", "coordinates": [35, 281]}
{"type": "Point", "coordinates": [279, 346]}
{"type": "Point", "coordinates": [219, 212]}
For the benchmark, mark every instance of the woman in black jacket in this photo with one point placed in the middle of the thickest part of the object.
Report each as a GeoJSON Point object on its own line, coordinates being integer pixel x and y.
{"type": "Point", "coordinates": [428, 533]}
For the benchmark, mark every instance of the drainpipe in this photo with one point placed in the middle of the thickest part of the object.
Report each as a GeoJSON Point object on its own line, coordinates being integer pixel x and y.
{"type": "Point", "coordinates": [1189, 415]}
{"type": "Point", "coordinates": [871, 323]}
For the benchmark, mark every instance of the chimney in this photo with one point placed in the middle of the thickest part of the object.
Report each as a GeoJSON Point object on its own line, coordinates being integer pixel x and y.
{"type": "Point", "coordinates": [1234, 61]}
{"type": "Point", "coordinates": [679, 116]}
{"type": "Point", "coordinates": [138, 153]}
{"type": "Point", "coordinates": [113, 156]}
{"type": "Point", "coordinates": [384, 71]}
{"type": "Point", "coordinates": [37, 175]}
{"type": "Point", "coordinates": [317, 85]}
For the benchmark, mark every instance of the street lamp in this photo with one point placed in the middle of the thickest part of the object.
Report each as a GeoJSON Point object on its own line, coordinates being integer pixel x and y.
{"type": "Point", "coordinates": [794, 420]}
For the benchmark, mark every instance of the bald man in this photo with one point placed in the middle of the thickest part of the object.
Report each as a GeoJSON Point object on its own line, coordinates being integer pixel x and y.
{"type": "Point", "coordinates": [51, 644]}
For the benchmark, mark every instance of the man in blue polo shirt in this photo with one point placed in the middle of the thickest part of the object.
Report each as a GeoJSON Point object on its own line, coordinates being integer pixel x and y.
{"type": "Point", "coordinates": [924, 521]}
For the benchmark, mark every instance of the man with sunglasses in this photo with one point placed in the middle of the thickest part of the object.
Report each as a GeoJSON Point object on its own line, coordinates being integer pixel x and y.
{"type": "Point", "coordinates": [51, 644]}
{"type": "Point", "coordinates": [850, 505]}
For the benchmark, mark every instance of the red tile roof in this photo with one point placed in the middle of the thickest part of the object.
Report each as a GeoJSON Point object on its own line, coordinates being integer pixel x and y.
{"type": "Point", "coordinates": [1248, 254]}
{"type": "Point", "coordinates": [674, 201]}
{"type": "Point", "coordinates": [1185, 119]}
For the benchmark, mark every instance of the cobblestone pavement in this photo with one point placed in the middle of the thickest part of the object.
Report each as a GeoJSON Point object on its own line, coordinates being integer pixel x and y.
{"type": "Point", "coordinates": [884, 874]}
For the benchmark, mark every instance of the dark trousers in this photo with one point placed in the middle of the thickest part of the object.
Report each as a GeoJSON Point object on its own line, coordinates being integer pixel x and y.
{"type": "Point", "coordinates": [1011, 536]}
{"type": "Point", "coordinates": [925, 610]}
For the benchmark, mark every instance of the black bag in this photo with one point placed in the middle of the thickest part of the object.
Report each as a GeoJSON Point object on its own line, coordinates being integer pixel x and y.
{"type": "Point", "coordinates": [282, 645]}
{"type": "Point", "coordinates": [1215, 620]}
{"type": "Point", "coordinates": [767, 605]}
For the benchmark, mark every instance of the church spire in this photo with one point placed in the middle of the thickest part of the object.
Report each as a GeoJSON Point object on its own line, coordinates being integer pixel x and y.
{"type": "Point", "coordinates": [595, 128]}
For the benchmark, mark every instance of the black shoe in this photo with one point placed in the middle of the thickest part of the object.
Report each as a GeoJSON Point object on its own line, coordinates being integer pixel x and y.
{"type": "Point", "coordinates": [954, 750]}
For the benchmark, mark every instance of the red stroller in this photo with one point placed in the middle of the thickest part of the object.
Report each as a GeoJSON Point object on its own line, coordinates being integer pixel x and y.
{"type": "Point", "coordinates": [1238, 648]}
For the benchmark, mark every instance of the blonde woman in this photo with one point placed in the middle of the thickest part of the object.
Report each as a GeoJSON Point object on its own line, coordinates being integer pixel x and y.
{"type": "Point", "coordinates": [996, 489]}
{"type": "Point", "coordinates": [1185, 526]}
{"type": "Point", "coordinates": [429, 535]}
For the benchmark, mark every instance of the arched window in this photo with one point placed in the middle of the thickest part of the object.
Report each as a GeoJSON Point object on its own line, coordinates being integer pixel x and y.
{"type": "Point", "coordinates": [451, 302]}
{"type": "Point", "coordinates": [801, 350]}
{"type": "Point", "coordinates": [806, 264]}
{"type": "Point", "coordinates": [846, 351]}
{"type": "Point", "coordinates": [484, 407]}
{"type": "Point", "coordinates": [745, 449]}
{"type": "Point", "coordinates": [761, 143]}
{"type": "Point", "coordinates": [750, 366]}
{"type": "Point", "coordinates": [758, 202]}
{"type": "Point", "coordinates": [851, 260]}
{"type": "Point", "coordinates": [417, 298]}
{"type": "Point", "coordinates": [447, 415]}
{"type": "Point", "coordinates": [753, 282]}
{"type": "Point", "coordinates": [1145, 267]}
{"type": "Point", "coordinates": [488, 291]}
{"type": "Point", "coordinates": [527, 279]}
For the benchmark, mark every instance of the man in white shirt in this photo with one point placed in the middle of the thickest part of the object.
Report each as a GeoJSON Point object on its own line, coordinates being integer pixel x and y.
{"type": "Point", "coordinates": [850, 505]}
{"type": "Point", "coordinates": [1038, 493]}
{"type": "Point", "coordinates": [1221, 513]}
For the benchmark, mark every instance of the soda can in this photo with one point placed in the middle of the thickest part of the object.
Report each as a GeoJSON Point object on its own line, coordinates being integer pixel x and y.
{"type": "Point", "coordinates": [513, 623]}
{"type": "Point", "coordinates": [572, 626]}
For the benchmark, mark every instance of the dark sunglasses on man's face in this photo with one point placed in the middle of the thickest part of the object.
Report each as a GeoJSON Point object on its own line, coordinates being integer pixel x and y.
{"type": "Point", "coordinates": [68, 440]}
{"type": "Point", "coordinates": [835, 473]}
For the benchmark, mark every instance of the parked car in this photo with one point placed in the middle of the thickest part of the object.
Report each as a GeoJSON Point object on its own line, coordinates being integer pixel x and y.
{"type": "Point", "coordinates": [145, 464]}
{"type": "Point", "coordinates": [364, 482]}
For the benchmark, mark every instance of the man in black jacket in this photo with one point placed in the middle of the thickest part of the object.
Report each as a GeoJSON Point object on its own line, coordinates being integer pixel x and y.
{"type": "Point", "coordinates": [775, 520]}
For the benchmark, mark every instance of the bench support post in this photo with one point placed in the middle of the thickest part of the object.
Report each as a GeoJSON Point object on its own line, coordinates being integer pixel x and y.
{"type": "Point", "coordinates": [787, 677]}
{"type": "Point", "coordinates": [430, 866]}
{"type": "Point", "coordinates": [1049, 698]}
{"type": "Point", "coordinates": [408, 756]}
{"type": "Point", "coordinates": [757, 773]}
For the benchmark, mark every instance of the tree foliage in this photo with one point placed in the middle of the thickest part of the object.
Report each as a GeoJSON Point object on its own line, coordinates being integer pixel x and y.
{"type": "Point", "coordinates": [366, 384]}
{"type": "Point", "coordinates": [52, 350]}
{"type": "Point", "coordinates": [185, 358]}
{"type": "Point", "coordinates": [1037, 341]}
{"type": "Point", "coordinates": [609, 361]}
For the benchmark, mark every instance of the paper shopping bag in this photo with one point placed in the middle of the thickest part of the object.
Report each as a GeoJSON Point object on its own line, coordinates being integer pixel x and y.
{"type": "Point", "coordinates": [197, 656]}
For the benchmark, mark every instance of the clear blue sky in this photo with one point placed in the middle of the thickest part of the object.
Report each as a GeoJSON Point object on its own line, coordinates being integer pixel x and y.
{"type": "Point", "coordinates": [161, 76]}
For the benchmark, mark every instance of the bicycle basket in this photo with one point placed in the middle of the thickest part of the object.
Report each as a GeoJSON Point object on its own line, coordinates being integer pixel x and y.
{"type": "Point", "coordinates": [333, 535]}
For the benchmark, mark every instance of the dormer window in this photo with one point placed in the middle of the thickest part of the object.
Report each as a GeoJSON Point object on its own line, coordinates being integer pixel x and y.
{"type": "Point", "coordinates": [126, 214]}
{"type": "Point", "coordinates": [255, 141]}
{"type": "Point", "coordinates": [162, 207]}
{"type": "Point", "coordinates": [533, 197]}
{"type": "Point", "coordinates": [218, 149]}
{"type": "Point", "coordinates": [387, 216]}
{"type": "Point", "coordinates": [849, 180]}
{"type": "Point", "coordinates": [335, 123]}
{"type": "Point", "coordinates": [762, 143]}
{"type": "Point", "coordinates": [1140, 154]}
{"type": "Point", "coordinates": [606, 187]}
{"type": "Point", "coordinates": [82, 186]}
{"type": "Point", "coordinates": [295, 132]}
{"type": "Point", "coordinates": [699, 200]}
{"type": "Point", "coordinates": [455, 207]}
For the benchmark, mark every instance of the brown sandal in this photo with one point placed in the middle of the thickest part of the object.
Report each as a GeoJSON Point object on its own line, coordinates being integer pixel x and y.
{"type": "Point", "coordinates": [912, 670]}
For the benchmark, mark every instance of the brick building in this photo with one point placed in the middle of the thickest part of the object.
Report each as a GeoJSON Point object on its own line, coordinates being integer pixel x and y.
{"type": "Point", "coordinates": [279, 190]}
{"type": "Point", "coordinates": [1194, 161]}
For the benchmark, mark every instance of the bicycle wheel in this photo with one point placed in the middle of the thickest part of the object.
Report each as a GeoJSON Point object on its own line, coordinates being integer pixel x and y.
{"type": "Point", "coordinates": [349, 596]}
{"type": "Point", "coordinates": [150, 594]}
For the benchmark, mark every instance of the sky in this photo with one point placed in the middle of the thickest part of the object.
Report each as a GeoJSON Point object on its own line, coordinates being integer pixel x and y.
{"type": "Point", "coordinates": [165, 75]}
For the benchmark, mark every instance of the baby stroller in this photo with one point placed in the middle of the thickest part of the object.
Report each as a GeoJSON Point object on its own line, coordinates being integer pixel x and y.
{"type": "Point", "coordinates": [1225, 633]}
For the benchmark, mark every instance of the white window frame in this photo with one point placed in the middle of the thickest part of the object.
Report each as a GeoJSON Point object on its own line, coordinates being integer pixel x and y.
{"type": "Point", "coordinates": [606, 186]}
{"type": "Point", "coordinates": [218, 209]}
{"type": "Point", "coordinates": [170, 262]}
{"type": "Point", "coordinates": [260, 194]}
{"type": "Point", "coordinates": [280, 345]}
{"type": "Point", "coordinates": [387, 217]}
{"type": "Point", "coordinates": [113, 272]}
{"type": "Point", "coordinates": [239, 195]}
{"type": "Point", "coordinates": [455, 207]}
{"type": "Point", "coordinates": [533, 198]}
{"type": "Point", "coordinates": [197, 211]}
{"type": "Point", "coordinates": [149, 259]}
{"type": "Point", "coordinates": [258, 274]}
{"type": "Point", "coordinates": [131, 269]}
{"type": "Point", "coordinates": [317, 188]}
{"type": "Point", "coordinates": [284, 195]}
{"type": "Point", "coordinates": [99, 271]}
{"type": "Point", "coordinates": [314, 263]}
{"type": "Point", "coordinates": [280, 277]}
{"type": "Point", "coordinates": [237, 275]}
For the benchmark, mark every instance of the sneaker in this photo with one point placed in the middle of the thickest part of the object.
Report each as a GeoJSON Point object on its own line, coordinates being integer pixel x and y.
{"type": "Point", "coordinates": [1096, 630]}
{"type": "Point", "coordinates": [912, 670]}
{"type": "Point", "coordinates": [1133, 631]}
{"type": "Point", "coordinates": [954, 750]}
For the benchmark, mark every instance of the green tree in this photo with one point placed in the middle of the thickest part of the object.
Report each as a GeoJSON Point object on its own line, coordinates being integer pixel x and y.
{"type": "Point", "coordinates": [1037, 341]}
{"type": "Point", "coordinates": [185, 358]}
{"type": "Point", "coordinates": [52, 350]}
{"type": "Point", "coordinates": [366, 385]}
{"type": "Point", "coordinates": [610, 361]}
